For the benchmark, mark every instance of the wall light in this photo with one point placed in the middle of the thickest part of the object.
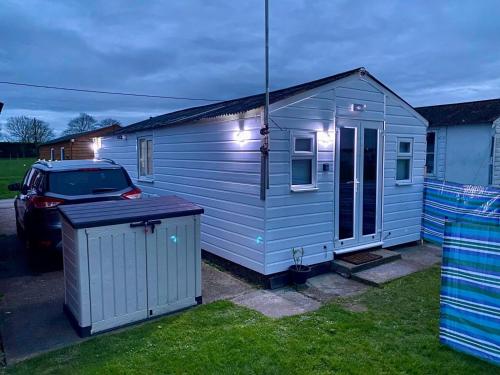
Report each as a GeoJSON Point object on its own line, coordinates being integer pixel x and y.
{"type": "Point", "coordinates": [242, 137]}
{"type": "Point", "coordinates": [173, 238]}
{"type": "Point", "coordinates": [96, 144]}
{"type": "Point", "coordinates": [325, 138]}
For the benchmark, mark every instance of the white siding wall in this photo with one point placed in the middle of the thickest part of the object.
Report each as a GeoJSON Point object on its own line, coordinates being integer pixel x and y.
{"type": "Point", "coordinates": [303, 219]}
{"type": "Point", "coordinates": [496, 154]}
{"type": "Point", "coordinates": [306, 219]}
{"type": "Point", "coordinates": [403, 204]}
{"type": "Point", "coordinates": [204, 164]}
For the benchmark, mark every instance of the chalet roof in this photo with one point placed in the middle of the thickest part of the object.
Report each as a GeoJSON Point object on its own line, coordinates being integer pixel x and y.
{"type": "Point", "coordinates": [79, 135]}
{"type": "Point", "coordinates": [468, 113]}
{"type": "Point", "coordinates": [238, 105]}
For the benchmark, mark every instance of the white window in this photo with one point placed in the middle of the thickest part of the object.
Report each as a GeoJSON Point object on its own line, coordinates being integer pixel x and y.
{"type": "Point", "coordinates": [303, 161]}
{"type": "Point", "coordinates": [52, 154]}
{"type": "Point", "coordinates": [430, 158]}
{"type": "Point", "coordinates": [404, 162]}
{"type": "Point", "coordinates": [62, 153]}
{"type": "Point", "coordinates": [145, 157]}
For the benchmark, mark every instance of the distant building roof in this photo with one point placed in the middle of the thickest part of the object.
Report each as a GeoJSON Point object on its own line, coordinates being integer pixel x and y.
{"type": "Point", "coordinates": [238, 105]}
{"type": "Point", "coordinates": [469, 113]}
{"type": "Point", "coordinates": [78, 135]}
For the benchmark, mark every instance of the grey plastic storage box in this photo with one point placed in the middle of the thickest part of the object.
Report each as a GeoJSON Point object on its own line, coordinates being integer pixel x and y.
{"type": "Point", "coordinates": [129, 260]}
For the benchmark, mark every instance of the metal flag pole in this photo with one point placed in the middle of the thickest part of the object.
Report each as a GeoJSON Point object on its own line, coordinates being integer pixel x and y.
{"type": "Point", "coordinates": [264, 149]}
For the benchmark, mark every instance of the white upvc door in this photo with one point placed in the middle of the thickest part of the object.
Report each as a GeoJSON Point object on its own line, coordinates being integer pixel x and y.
{"type": "Point", "coordinates": [358, 183]}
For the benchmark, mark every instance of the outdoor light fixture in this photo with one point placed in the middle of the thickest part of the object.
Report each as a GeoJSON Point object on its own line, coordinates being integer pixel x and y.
{"type": "Point", "coordinates": [173, 238]}
{"type": "Point", "coordinates": [358, 107]}
{"type": "Point", "coordinates": [259, 240]}
{"type": "Point", "coordinates": [96, 144]}
{"type": "Point", "coordinates": [242, 137]}
{"type": "Point", "coordinates": [325, 138]}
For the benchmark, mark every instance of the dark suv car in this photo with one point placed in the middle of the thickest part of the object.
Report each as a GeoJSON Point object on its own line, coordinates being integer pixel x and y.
{"type": "Point", "coordinates": [47, 185]}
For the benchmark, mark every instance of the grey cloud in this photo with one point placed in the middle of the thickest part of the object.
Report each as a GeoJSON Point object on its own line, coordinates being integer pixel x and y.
{"type": "Point", "coordinates": [429, 52]}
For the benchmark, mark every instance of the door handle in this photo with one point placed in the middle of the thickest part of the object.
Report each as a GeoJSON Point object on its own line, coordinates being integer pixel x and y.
{"type": "Point", "coordinates": [152, 224]}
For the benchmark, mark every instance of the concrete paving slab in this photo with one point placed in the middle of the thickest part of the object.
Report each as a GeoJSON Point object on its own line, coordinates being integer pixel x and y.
{"type": "Point", "coordinates": [329, 286]}
{"type": "Point", "coordinates": [387, 272]}
{"type": "Point", "coordinates": [277, 303]}
{"type": "Point", "coordinates": [425, 254]}
{"type": "Point", "coordinates": [32, 317]}
{"type": "Point", "coordinates": [413, 259]}
{"type": "Point", "coordinates": [7, 217]}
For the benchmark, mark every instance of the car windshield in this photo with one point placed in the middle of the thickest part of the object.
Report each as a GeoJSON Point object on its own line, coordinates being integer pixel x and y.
{"type": "Point", "coordinates": [88, 181]}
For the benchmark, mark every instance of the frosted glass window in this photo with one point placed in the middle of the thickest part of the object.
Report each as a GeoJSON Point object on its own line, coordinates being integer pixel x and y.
{"type": "Point", "coordinates": [303, 160]}
{"type": "Point", "coordinates": [145, 157]}
{"type": "Point", "coordinates": [404, 147]}
{"type": "Point", "coordinates": [303, 144]}
{"type": "Point", "coordinates": [430, 158]}
{"type": "Point", "coordinates": [404, 160]}
{"type": "Point", "coordinates": [302, 172]}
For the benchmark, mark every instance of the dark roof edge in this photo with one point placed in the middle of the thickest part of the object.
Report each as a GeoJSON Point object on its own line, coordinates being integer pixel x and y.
{"type": "Point", "coordinates": [251, 102]}
{"type": "Point", "coordinates": [457, 103]}
{"type": "Point", "coordinates": [76, 135]}
{"type": "Point", "coordinates": [488, 123]}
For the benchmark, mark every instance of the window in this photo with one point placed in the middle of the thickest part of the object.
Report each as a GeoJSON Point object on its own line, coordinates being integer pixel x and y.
{"type": "Point", "coordinates": [404, 160]}
{"type": "Point", "coordinates": [52, 154]}
{"type": "Point", "coordinates": [99, 181]}
{"type": "Point", "coordinates": [145, 157]}
{"type": "Point", "coordinates": [303, 161]}
{"type": "Point", "coordinates": [430, 158]}
{"type": "Point", "coordinates": [62, 153]}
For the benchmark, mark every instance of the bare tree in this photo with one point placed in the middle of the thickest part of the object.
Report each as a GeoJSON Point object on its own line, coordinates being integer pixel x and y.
{"type": "Point", "coordinates": [84, 122]}
{"type": "Point", "coordinates": [28, 129]}
{"type": "Point", "coordinates": [108, 122]}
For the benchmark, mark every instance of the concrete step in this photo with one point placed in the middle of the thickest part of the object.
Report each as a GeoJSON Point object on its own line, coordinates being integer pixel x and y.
{"type": "Point", "coordinates": [348, 269]}
{"type": "Point", "coordinates": [387, 272]}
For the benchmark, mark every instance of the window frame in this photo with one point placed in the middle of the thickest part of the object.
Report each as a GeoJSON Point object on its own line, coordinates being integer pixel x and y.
{"type": "Point", "coordinates": [62, 153]}
{"type": "Point", "coordinates": [404, 156]}
{"type": "Point", "coordinates": [434, 153]}
{"type": "Point", "coordinates": [145, 177]}
{"type": "Point", "coordinates": [304, 155]}
{"type": "Point", "coordinates": [52, 154]}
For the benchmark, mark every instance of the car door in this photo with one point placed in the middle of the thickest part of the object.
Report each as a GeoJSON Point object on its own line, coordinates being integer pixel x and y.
{"type": "Point", "coordinates": [24, 194]}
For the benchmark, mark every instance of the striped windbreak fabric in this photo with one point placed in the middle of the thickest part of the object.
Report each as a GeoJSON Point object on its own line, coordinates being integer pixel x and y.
{"type": "Point", "coordinates": [470, 289]}
{"type": "Point", "coordinates": [447, 201]}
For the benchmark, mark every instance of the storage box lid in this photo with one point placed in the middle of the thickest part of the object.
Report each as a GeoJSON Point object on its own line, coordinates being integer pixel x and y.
{"type": "Point", "coordinates": [98, 214]}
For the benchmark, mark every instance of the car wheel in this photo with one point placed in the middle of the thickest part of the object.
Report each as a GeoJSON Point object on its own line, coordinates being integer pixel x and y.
{"type": "Point", "coordinates": [19, 230]}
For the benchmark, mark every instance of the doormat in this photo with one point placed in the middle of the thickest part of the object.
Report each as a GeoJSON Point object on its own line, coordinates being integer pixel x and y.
{"type": "Point", "coordinates": [359, 258]}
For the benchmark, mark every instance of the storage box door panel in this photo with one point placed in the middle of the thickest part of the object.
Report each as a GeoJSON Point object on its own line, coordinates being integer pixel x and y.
{"type": "Point", "coordinates": [171, 258]}
{"type": "Point", "coordinates": [117, 273]}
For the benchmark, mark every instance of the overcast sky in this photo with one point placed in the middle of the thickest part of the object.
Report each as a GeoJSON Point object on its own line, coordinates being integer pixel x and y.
{"type": "Point", "coordinates": [429, 52]}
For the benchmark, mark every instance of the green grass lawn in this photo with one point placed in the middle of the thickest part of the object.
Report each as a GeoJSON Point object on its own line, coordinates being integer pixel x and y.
{"type": "Point", "coordinates": [12, 170]}
{"type": "Point", "coordinates": [398, 334]}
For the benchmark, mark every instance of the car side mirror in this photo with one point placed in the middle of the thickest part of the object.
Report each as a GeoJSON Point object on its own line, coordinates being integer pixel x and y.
{"type": "Point", "coordinates": [14, 187]}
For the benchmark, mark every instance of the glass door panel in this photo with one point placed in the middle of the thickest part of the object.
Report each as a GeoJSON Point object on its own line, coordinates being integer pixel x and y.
{"type": "Point", "coordinates": [347, 182]}
{"type": "Point", "coordinates": [369, 181]}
